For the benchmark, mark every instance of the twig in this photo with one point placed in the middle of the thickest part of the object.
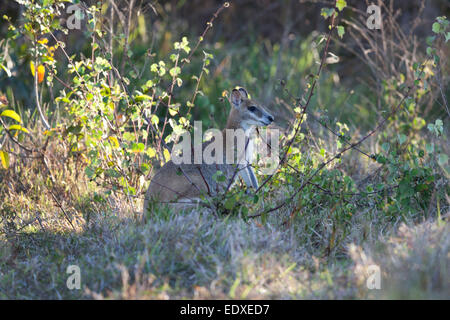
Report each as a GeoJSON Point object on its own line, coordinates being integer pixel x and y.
{"type": "Point", "coordinates": [311, 92]}
{"type": "Point", "coordinates": [439, 79]}
{"type": "Point", "coordinates": [36, 91]}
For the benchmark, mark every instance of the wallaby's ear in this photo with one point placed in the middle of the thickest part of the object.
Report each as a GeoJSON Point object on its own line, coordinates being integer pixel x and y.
{"type": "Point", "coordinates": [243, 93]}
{"type": "Point", "coordinates": [236, 98]}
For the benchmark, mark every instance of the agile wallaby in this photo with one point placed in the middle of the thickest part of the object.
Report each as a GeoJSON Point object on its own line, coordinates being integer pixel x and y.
{"type": "Point", "coordinates": [186, 182]}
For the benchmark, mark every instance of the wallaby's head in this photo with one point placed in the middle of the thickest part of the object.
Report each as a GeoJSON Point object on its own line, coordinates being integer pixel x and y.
{"type": "Point", "coordinates": [247, 113]}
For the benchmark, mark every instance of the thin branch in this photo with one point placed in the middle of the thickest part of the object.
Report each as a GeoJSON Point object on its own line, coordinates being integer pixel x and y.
{"type": "Point", "coordinates": [36, 90]}
{"type": "Point", "coordinates": [311, 92]}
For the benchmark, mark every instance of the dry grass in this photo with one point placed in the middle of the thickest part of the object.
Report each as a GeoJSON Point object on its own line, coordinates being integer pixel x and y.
{"type": "Point", "coordinates": [196, 255]}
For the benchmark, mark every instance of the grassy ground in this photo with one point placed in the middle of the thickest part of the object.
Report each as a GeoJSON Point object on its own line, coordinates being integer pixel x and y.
{"type": "Point", "coordinates": [196, 255]}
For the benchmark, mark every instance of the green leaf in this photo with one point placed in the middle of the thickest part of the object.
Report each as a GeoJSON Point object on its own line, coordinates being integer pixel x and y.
{"type": "Point", "coordinates": [138, 147]}
{"type": "Point", "coordinates": [154, 119]}
{"type": "Point", "coordinates": [185, 45]}
{"type": "Point", "coordinates": [442, 159]}
{"type": "Point", "coordinates": [151, 152]}
{"type": "Point", "coordinates": [402, 138]}
{"type": "Point", "coordinates": [385, 146]}
{"type": "Point", "coordinates": [175, 71]}
{"type": "Point", "coordinates": [422, 187]}
{"type": "Point", "coordinates": [4, 159]}
{"type": "Point", "coordinates": [381, 159]}
{"type": "Point", "coordinates": [89, 171]}
{"type": "Point", "coordinates": [418, 123]}
{"type": "Point", "coordinates": [17, 127]}
{"type": "Point", "coordinates": [128, 136]}
{"type": "Point", "coordinates": [218, 176]}
{"type": "Point", "coordinates": [112, 173]}
{"type": "Point", "coordinates": [244, 211]}
{"type": "Point", "coordinates": [114, 142]}
{"type": "Point", "coordinates": [341, 4]}
{"type": "Point", "coordinates": [142, 97]}
{"type": "Point", "coordinates": [327, 12]}
{"type": "Point", "coordinates": [145, 168]}
{"type": "Point", "coordinates": [437, 128]}
{"type": "Point", "coordinates": [430, 40]}
{"type": "Point", "coordinates": [229, 204]}
{"type": "Point", "coordinates": [341, 31]}
{"type": "Point", "coordinates": [436, 27]}
{"type": "Point", "coordinates": [421, 153]}
{"type": "Point", "coordinates": [8, 73]}
{"type": "Point", "coordinates": [12, 114]}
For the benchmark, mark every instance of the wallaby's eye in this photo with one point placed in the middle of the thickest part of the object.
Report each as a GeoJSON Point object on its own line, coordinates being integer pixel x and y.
{"type": "Point", "coordinates": [252, 108]}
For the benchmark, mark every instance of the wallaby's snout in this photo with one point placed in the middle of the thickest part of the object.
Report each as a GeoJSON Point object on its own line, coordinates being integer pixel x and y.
{"type": "Point", "coordinates": [270, 119]}
{"type": "Point", "coordinates": [266, 118]}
